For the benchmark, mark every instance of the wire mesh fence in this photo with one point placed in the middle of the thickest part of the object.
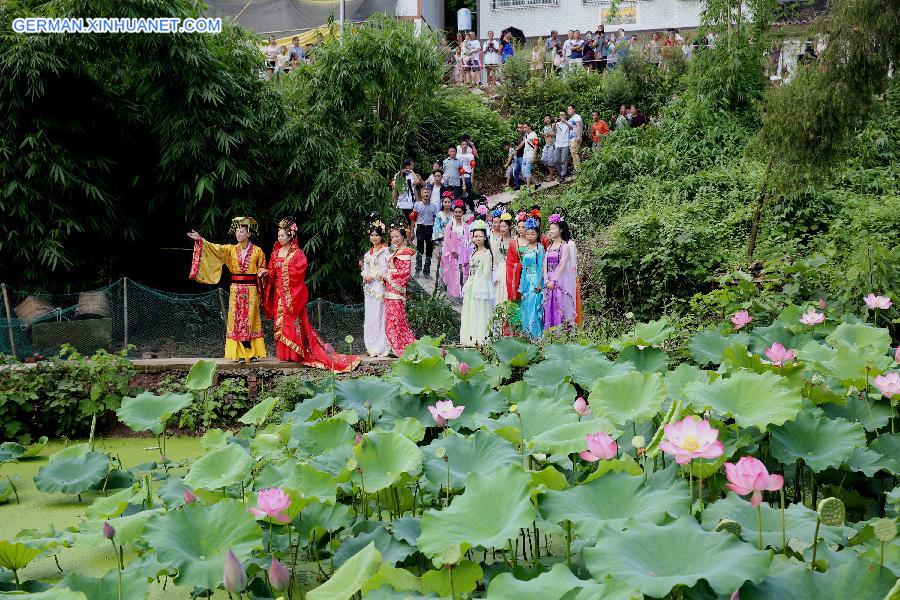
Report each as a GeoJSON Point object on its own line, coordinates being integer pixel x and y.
{"type": "Point", "coordinates": [156, 323]}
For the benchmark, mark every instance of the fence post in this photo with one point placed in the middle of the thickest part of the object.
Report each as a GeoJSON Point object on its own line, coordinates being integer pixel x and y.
{"type": "Point", "coordinates": [319, 306]}
{"type": "Point", "coordinates": [12, 338]}
{"type": "Point", "coordinates": [125, 308]}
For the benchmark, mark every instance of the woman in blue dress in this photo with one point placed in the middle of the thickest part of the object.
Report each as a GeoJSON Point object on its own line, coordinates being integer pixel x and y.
{"type": "Point", "coordinates": [531, 282]}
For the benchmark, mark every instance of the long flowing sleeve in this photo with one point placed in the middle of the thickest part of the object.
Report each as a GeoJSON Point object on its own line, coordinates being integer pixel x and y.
{"type": "Point", "coordinates": [513, 271]}
{"type": "Point", "coordinates": [208, 260]}
{"type": "Point", "coordinates": [398, 273]}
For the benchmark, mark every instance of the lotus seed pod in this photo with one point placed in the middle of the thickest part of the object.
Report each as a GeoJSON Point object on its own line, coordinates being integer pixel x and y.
{"type": "Point", "coordinates": [885, 529]}
{"type": "Point", "coordinates": [831, 511]}
{"type": "Point", "coordinates": [638, 441]}
{"type": "Point", "coordinates": [513, 408]}
{"type": "Point", "coordinates": [352, 464]}
{"type": "Point", "coordinates": [732, 527]}
{"type": "Point", "coordinates": [451, 555]}
{"type": "Point", "coordinates": [441, 452]}
{"type": "Point", "coordinates": [349, 339]}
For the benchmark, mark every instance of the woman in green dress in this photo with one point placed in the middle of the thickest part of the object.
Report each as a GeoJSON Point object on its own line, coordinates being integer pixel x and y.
{"type": "Point", "coordinates": [478, 291]}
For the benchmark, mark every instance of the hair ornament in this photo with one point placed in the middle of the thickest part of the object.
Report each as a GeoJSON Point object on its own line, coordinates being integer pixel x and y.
{"type": "Point", "coordinates": [447, 194]}
{"type": "Point", "coordinates": [535, 213]}
{"type": "Point", "coordinates": [478, 225]}
{"type": "Point", "coordinates": [532, 223]}
{"type": "Point", "coordinates": [497, 212]}
{"type": "Point", "coordinates": [459, 204]}
{"type": "Point", "coordinates": [482, 210]}
{"type": "Point", "coordinates": [506, 216]}
{"type": "Point", "coordinates": [521, 216]}
{"type": "Point", "coordinates": [556, 218]}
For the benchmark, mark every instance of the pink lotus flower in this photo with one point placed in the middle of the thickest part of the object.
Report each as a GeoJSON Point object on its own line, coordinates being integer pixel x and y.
{"type": "Point", "coordinates": [811, 317]}
{"type": "Point", "coordinates": [779, 355]}
{"type": "Point", "coordinates": [749, 475]}
{"type": "Point", "coordinates": [581, 407]}
{"type": "Point", "coordinates": [897, 355]}
{"type": "Point", "coordinates": [463, 368]}
{"type": "Point", "coordinates": [279, 578]}
{"type": "Point", "coordinates": [600, 447]}
{"type": "Point", "coordinates": [443, 411]}
{"type": "Point", "coordinates": [271, 502]}
{"type": "Point", "coordinates": [109, 532]}
{"type": "Point", "coordinates": [234, 575]}
{"type": "Point", "coordinates": [822, 304]}
{"type": "Point", "coordinates": [689, 439]}
{"type": "Point", "coordinates": [443, 353]}
{"type": "Point", "coordinates": [873, 301]}
{"type": "Point", "coordinates": [741, 319]}
{"type": "Point", "coordinates": [358, 439]}
{"type": "Point", "coordinates": [888, 384]}
{"type": "Point", "coordinates": [189, 497]}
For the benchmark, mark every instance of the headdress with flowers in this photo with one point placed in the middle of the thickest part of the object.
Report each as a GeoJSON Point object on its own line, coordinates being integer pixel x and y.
{"type": "Point", "coordinates": [497, 213]}
{"type": "Point", "coordinates": [535, 213]}
{"type": "Point", "coordinates": [478, 225]}
{"type": "Point", "coordinates": [482, 210]}
{"type": "Point", "coordinates": [521, 216]}
{"type": "Point", "coordinates": [459, 204]}
{"type": "Point", "coordinates": [447, 194]}
{"type": "Point", "coordinates": [506, 216]}
{"type": "Point", "coordinates": [556, 218]}
{"type": "Point", "coordinates": [288, 224]}
{"type": "Point", "coordinates": [532, 223]}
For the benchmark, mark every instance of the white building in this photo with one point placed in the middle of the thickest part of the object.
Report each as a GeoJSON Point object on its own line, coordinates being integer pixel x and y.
{"type": "Point", "coordinates": [422, 12]}
{"type": "Point", "coordinates": [538, 17]}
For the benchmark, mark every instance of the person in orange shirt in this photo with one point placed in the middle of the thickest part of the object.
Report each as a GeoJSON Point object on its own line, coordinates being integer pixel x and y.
{"type": "Point", "coordinates": [599, 129]}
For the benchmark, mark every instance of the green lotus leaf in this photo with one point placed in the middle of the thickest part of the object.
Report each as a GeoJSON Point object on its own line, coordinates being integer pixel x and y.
{"type": "Point", "coordinates": [623, 464]}
{"type": "Point", "coordinates": [34, 449]}
{"type": "Point", "coordinates": [549, 478]}
{"type": "Point", "coordinates": [631, 396]}
{"type": "Point", "coordinates": [5, 491]}
{"type": "Point", "coordinates": [616, 500]}
{"type": "Point", "coordinates": [656, 559]}
{"type": "Point", "coordinates": [477, 518]}
{"type": "Point", "coordinates": [652, 333]}
{"type": "Point", "coordinates": [195, 539]}
{"type": "Point", "coordinates": [134, 586]}
{"type": "Point", "coordinates": [557, 583]}
{"type": "Point", "coordinates": [869, 462]}
{"type": "Point", "coordinates": [547, 374]}
{"type": "Point", "coordinates": [54, 593]}
{"type": "Point", "coordinates": [482, 452]}
{"type": "Point", "coordinates": [399, 580]}
{"type": "Point", "coordinates": [569, 438]}
{"type": "Point", "coordinates": [593, 366]}
{"type": "Point", "coordinates": [647, 360]}
{"type": "Point", "coordinates": [310, 408]}
{"type": "Point", "coordinates": [799, 521]}
{"type": "Point", "coordinates": [406, 529]}
{"type": "Point", "coordinates": [114, 505]}
{"type": "Point", "coordinates": [753, 399]}
{"type": "Point", "coordinates": [16, 555]}
{"type": "Point", "coordinates": [410, 428]}
{"type": "Point", "coordinates": [72, 475]}
{"type": "Point", "coordinates": [72, 451]}
{"type": "Point", "coordinates": [566, 353]}
{"type": "Point", "coordinates": [349, 577]}
{"type": "Point", "coordinates": [128, 528]}
{"type": "Point", "coordinates": [215, 438]}
{"type": "Point", "coordinates": [860, 336]}
{"type": "Point", "coordinates": [479, 398]}
{"type": "Point", "coordinates": [888, 445]}
{"type": "Point", "coordinates": [871, 415]}
{"type": "Point", "coordinates": [314, 439]}
{"type": "Point", "coordinates": [514, 352]}
{"type": "Point", "coordinates": [309, 484]}
{"type": "Point", "coordinates": [149, 412]}
{"type": "Point", "coordinates": [271, 440]}
{"type": "Point", "coordinates": [11, 451]}
{"type": "Point", "coordinates": [821, 442]}
{"type": "Point", "coordinates": [422, 375]}
{"type": "Point", "coordinates": [848, 365]}
{"type": "Point", "coordinates": [792, 580]}
{"type": "Point", "coordinates": [356, 393]}
{"type": "Point", "coordinates": [392, 550]}
{"type": "Point", "coordinates": [319, 519]}
{"type": "Point", "coordinates": [223, 467]}
{"type": "Point", "coordinates": [259, 413]}
{"type": "Point", "coordinates": [707, 346]}
{"type": "Point", "coordinates": [466, 576]}
{"type": "Point", "coordinates": [201, 376]}
{"type": "Point", "coordinates": [383, 457]}
{"type": "Point", "coordinates": [540, 413]}
{"type": "Point", "coordinates": [171, 492]}
{"type": "Point", "coordinates": [678, 379]}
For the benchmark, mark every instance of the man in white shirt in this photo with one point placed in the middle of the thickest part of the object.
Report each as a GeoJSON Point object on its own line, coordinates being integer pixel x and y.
{"type": "Point", "coordinates": [574, 49]}
{"type": "Point", "coordinates": [563, 129]}
{"type": "Point", "coordinates": [466, 156]}
{"type": "Point", "coordinates": [531, 144]}
{"type": "Point", "coordinates": [577, 131]}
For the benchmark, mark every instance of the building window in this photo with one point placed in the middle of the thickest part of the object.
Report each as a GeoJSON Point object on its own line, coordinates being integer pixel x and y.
{"type": "Point", "coordinates": [505, 4]}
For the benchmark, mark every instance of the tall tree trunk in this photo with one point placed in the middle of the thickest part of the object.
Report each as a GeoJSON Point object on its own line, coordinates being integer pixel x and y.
{"type": "Point", "coordinates": [760, 200]}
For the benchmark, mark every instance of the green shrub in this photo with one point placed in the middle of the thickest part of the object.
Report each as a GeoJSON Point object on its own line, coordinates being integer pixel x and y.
{"type": "Point", "coordinates": [432, 315]}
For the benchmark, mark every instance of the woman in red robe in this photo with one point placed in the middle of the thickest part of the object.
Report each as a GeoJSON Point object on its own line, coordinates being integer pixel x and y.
{"type": "Point", "coordinates": [396, 327]}
{"type": "Point", "coordinates": [285, 298]}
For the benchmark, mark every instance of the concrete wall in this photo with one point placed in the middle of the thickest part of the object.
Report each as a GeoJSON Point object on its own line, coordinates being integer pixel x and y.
{"type": "Point", "coordinates": [536, 19]}
{"type": "Point", "coordinates": [429, 11]}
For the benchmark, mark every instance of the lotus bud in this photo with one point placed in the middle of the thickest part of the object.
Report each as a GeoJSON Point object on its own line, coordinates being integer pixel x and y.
{"type": "Point", "coordinates": [109, 532]}
{"type": "Point", "coordinates": [443, 353]}
{"type": "Point", "coordinates": [885, 529]}
{"type": "Point", "coordinates": [513, 408]}
{"type": "Point", "coordinates": [463, 368]}
{"type": "Point", "coordinates": [822, 304]}
{"type": "Point", "coordinates": [638, 441]}
{"type": "Point", "coordinates": [831, 512]}
{"type": "Point", "coordinates": [279, 577]}
{"type": "Point", "coordinates": [189, 497]}
{"type": "Point", "coordinates": [732, 527]}
{"type": "Point", "coordinates": [358, 438]}
{"type": "Point", "coordinates": [234, 575]}
{"type": "Point", "coordinates": [897, 355]}
{"type": "Point", "coordinates": [329, 349]}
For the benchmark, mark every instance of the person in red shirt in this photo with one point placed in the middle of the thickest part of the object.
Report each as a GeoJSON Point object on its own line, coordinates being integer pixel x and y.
{"type": "Point", "coordinates": [599, 129]}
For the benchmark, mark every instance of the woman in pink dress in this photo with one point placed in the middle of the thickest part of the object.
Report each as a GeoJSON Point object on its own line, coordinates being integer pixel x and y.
{"type": "Point", "coordinates": [396, 327]}
{"type": "Point", "coordinates": [455, 252]}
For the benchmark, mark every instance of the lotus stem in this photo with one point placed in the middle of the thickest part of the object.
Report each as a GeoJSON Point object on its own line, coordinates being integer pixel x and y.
{"type": "Point", "coordinates": [452, 590]}
{"type": "Point", "coordinates": [270, 538]}
{"type": "Point", "coordinates": [362, 499]}
{"type": "Point", "coordinates": [783, 537]}
{"type": "Point", "coordinates": [813, 492]}
{"type": "Point", "coordinates": [759, 527]}
{"type": "Point", "coordinates": [569, 543]}
{"type": "Point", "coordinates": [93, 428]}
{"type": "Point", "coordinates": [16, 577]}
{"type": "Point", "coordinates": [118, 556]}
{"type": "Point", "coordinates": [882, 554]}
{"type": "Point", "coordinates": [812, 565]}
{"type": "Point", "coordinates": [537, 542]}
{"type": "Point", "coordinates": [15, 491]}
{"type": "Point", "coordinates": [512, 554]}
{"type": "Point", "coordinates": [691, 487]}
{"type": "Point", "coordinates": [447, 460]}
{"type": "Point", "coordinates": [700, 486]}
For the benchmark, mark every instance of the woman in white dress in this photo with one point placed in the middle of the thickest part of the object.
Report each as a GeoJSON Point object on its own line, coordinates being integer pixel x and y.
{"type": "Point", "coordinates": [374, 268]}
{"type": "Point", "coordinates": [478, 290]}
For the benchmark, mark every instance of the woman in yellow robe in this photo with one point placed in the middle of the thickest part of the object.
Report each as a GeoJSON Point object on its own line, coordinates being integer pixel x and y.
{"type": "Point", "coordinates": [246, 262]}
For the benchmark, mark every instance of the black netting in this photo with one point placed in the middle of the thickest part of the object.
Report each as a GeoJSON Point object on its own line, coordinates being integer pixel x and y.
{"type": "Point", "coordinates": [158, 324]}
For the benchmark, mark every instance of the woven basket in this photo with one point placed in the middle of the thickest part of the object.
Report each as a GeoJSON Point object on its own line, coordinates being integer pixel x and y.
{"type": "Point", "coordinates": [92, 304]}
{"type": "Point", "coordinates": [32, 308]}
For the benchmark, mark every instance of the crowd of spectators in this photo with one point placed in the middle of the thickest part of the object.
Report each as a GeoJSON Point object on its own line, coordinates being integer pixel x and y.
{"type": "Point", "coordinates": [477, 63]}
